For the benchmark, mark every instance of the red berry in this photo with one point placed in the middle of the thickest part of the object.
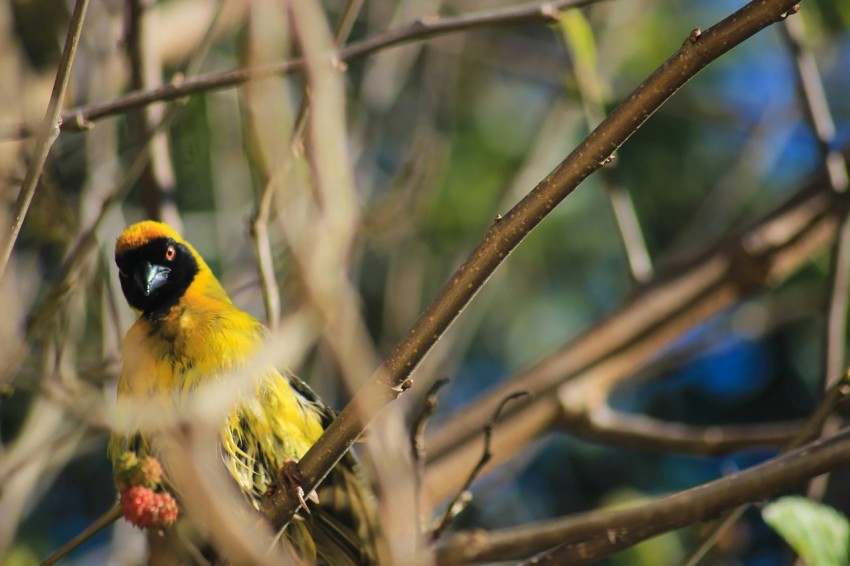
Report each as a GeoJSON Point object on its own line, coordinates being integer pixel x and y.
{"type": "Point", "coordinates": [145, 509]}
{"type": "Point", "coordinates": [137, 502]}
{"type": "Point", "coordinates": [166, 508]}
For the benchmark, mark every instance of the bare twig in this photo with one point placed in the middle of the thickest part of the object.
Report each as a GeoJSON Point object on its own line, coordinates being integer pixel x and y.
{"type": "Point", "coordinates": [762, 255]}
{"type": "Point", "coordinates": [816, 106]}
{"type": "Point", "coordinates": [343, 29]}
{"type": "Point", "coordinates": [47, 133]}
{"type": "Point", "coordinates": [453, 508]}
{"type": "Point", "coordinates": [417, 431]}
{"type": "Point", "coordinates": [417, 445]}
{"type": "Point", "coordinates": [417, 440]}
{"type": "Point", "coordinates": [589, 537]}
{"type": "Point", "coordinates": [208, 496]}
{"type": "Point", "coordinates": [101, 523]}
{"type": "Point", "coordinates": [157, 178]}
{"type": "Point", "coordinates": [346, 20]}
{"type": "Point", "coordinates": [86, 240]}
{"type": "Point", "coordinates": [836, 308]}
{"type": "Point", "coordinates": [505, 235]}
{"type": "Point", "coordinates": [810, 86]}
{"type": "Point", "coordinates": [589, 83]}
{"type": "Point", "coordinates": [838, 390]}
{"type": "Point", "coordinates": [418, 30]}
{"type": "Point", "coordinates": [258, 223]}
{"type": "Point", "coordinates": [258, 227]}
{"type": "Point", "coordinates": [817, 110]}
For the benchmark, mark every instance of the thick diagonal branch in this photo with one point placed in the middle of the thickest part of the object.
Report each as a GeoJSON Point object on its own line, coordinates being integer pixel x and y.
{"type": "Point", "coordinates": [504, 235]}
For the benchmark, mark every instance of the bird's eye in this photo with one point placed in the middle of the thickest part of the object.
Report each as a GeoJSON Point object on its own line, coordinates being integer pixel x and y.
{"type": "Point", "coordinates": [122, 273]}
{"type": "Point", "coordinates": [170, 252]}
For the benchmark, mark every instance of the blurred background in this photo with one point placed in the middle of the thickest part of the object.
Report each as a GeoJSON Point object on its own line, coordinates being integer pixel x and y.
{"type": "Point", "coordinates": [442, 135]}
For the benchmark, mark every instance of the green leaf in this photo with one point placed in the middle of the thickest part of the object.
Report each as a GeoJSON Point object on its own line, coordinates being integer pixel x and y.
{"type": "Point", "coordinates": [818, 533]}
{"type": "Point", "coordinates": [579, 37]}
{"type": "Point", "coordinates": [581, 44]}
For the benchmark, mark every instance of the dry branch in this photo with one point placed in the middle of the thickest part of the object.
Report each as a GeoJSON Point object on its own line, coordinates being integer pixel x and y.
{"type": "Point", "coordinates": [47, 132]}
{"type": "Point", "coordinates": [460, 500]}
{"type": "Point", "coordinates": [572, 382]}
{"type": "Point", "coordinates": [813, 99]}
{"type": "Point", "coordinates": [812, 429]}
{"type": "Point", "coordinates": [77, 119]}
{"type": "Point", "coordinates": [588, 537]}
{"type": "Point", "coordinates": [112, 515]}
{"type": "Point", "coordinates": [508, 232]}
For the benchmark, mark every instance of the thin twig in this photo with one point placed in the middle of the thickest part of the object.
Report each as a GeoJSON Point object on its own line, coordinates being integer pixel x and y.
{"type": "Point", "coordinates": [597, 534]}
{"type": "Point", "coordinates": [589, 82]}
{"type": "Point", "coordinates": [417, 443]}
{"type": "Point", "coordinates": [455, 506]}
{"type": "Point", "coordinates": [47, 133]}
{"type": "Point", "coordinates": [258, 223]}
{"type": "Point", "coordinates": [837, 391]}
{"type": "Point", "coordinates": [343, 29]}
{"type": "Point", "coordinates": [422, 29]}
{"type": "Point", "coordinates": [346, 20]}
{"type": "Point", "coordinates": [157, 178]}
{"type": "Point", "coordinates": [417, 431]}
{"type": "Point", "coordinates": [811, 92]}
{"type": "Point", "coordinates": [258, 228]}
{"type": "Point", "coordinates": [504, 235]}
{"type": "Point", "coordinates": [101, 523]}
{"type": "Point", "coordinates": [761, 256]}
{"type": "Point", "coordinates": [816, 106]}
{"type": "Point", "coordinates": [87, 239]}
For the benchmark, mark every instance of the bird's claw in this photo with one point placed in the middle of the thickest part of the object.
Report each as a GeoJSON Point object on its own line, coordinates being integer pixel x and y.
{"type": "Point", "coordinates": [291, 480]}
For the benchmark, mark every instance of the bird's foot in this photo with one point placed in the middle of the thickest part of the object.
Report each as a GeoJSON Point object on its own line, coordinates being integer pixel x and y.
{"type": "Point", "coordinates": [291, 480]}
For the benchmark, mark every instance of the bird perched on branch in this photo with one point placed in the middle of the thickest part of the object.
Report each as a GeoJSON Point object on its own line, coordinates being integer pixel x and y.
{"type": "Point", "coordinates": [189, 333]}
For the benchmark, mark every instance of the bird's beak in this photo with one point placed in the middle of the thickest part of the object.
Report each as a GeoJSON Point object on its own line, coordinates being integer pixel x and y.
{"type": "Point", "coordinates": [150, 277]}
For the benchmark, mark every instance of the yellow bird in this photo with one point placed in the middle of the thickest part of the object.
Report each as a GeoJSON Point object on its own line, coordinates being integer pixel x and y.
{"type": "Point", "coordinates": [188, 333]}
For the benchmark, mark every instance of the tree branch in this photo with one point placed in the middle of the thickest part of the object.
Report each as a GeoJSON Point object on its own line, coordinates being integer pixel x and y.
{"type": "Point", "coordinates": [47, 133]}
{"type": "Point", "coordinates": [456, 505]}
{"type": "Point", "coordinates": [812, 429]}
{"type": "Point", "coordinates": [505, 234]}
{"type": "Point", "coordinates": [816, 107]}
{"type": "Point", "coordinates": [101, 523]}
{"type": "Point", "coordinates": [626, 340]}
{"type": "Point", "coordinates": [417, 443]}
{"type": "Point", "coordinates": [588, 537]}
{"type": "Point", "coordinates": [78, 119]}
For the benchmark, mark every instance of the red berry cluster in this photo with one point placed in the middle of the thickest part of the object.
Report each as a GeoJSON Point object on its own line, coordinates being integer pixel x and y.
{"type": "Point", "coordinates": [146, 508]}
{"type": "Point", "coordinates": [144, 503]}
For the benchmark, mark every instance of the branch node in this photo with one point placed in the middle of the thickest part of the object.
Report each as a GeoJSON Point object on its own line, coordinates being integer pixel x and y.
{"type": "Point", "coordinates": [693, 37]}
{"type": "Point", "coordinates": [78, 123]}
{"type": "Point", "coordinates": [794, 9]}
{"type": "Point", "coordinates": [549, 11]}
{"type": "Point", "coordinates": [608, 160]}
{"type": "Point", "coordinates": [338, 63]}
{"type": "Point", "coordinates": [177, 80]}
{"type": "Point", "coordinates": [614, 535]}
{"type": "Point", "coordinates": [403, 386]}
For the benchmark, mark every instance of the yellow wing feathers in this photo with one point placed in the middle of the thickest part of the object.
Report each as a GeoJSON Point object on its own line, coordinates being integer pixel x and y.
{"type": "Point", "coordinates": [189, 333]}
